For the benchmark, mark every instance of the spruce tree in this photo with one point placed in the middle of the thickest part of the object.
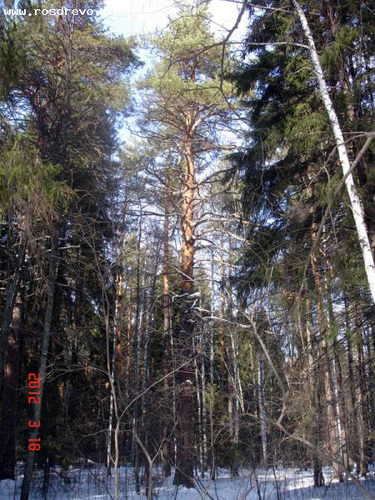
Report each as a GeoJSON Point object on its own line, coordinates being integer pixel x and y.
{"type": "Point", "coordinates": [290, 173]}
{"type": "Point", "coordinates": [58, 185]}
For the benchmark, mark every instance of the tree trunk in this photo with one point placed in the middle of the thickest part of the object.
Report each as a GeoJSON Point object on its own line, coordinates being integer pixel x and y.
{"type": "Point", "coordinates": [334, 367]}
{"type": "Point", "coordinates": [325, 363]}
{"type": "Point", "coordinates": [355, 202]}
{"type": "Point", "coordinates": [186, 387]}
{"type": "Point", "coordinates": [199, 436]}
{"type": "Point", "coordinates": [128, 342]}
{"type": "Point", "coordinates": [315, 401]}
{"type": "Point", "coordinates": [13, 286]}
{"type": "Point", "coordinates": [9, 395]}
{"type": "Point", "coordinates": [262, 407]}
{"type": "Point", "coordinates": [168, 423]}
{"type": "Point", "coordinates": [351, 400]}
{"type": "Point", "coordinates": [342, 395]}
{"type": "Point", "coordinates": [362, 407]}
{"type": "Point", "coordinates": [136, 354]}
{"type": "Point", "coordinates": [149, 300]}
{"type": "Point", "coordinates": [113, 368]}
{"type": "Point", "coordinates": [34, 432]}
{"type": "Point", "coordinates": [204, 402]}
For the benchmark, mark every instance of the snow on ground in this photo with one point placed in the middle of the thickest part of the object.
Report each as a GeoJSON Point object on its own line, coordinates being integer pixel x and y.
{"type": "Point", "coordinates": [92, 483]}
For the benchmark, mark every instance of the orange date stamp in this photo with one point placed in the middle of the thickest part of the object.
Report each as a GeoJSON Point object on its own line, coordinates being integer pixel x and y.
{"type": "Point", "coordinates": [33, 385]}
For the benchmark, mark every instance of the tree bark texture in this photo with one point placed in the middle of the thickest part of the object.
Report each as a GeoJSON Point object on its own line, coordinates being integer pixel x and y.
{"type": "Point", "coordinates": [186, 387]}
{"type": "Point", "coordinates": [34, 432]}
{"type": "Point", "coordinates": [355, 202]}
{"type": "Point", "coordinates": [9, 396]}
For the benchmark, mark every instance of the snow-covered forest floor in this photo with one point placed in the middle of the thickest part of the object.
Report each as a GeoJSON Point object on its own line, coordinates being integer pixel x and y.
{"type": "Point", "coordinates": [283, 483]}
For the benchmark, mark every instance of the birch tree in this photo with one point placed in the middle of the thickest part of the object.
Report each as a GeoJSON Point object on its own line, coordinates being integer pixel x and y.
{"type": "Point", "coordinates": [346, 166]}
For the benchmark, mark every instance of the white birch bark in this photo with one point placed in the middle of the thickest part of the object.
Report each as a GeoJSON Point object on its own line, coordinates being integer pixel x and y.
{"type": "Point", "coordinates": [262, 406]}
{"type": "Point", "coordinates": [355, 202]}
{"type": "Point", "coordinates": [112, 385]}
{"type": "Point", "coordinates": [204, 406]}
{"type": "Point", "coordinates": [199, 415]}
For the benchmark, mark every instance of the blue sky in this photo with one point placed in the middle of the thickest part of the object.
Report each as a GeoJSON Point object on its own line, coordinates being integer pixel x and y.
{"type": "Point", "coordinates": [139, 17]}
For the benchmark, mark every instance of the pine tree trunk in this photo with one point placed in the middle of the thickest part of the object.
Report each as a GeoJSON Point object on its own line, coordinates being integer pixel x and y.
{"type": "Point", "coordinates": [204, 402]}
{"type": "Point", "coordinates": [186, 387]}
{"type": "Point", "coordinates": [199, 437]}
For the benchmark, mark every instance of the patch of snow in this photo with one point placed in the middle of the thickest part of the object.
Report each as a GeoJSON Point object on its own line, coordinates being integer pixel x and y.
{"type": "Point", "coordinates": [91, 482]}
